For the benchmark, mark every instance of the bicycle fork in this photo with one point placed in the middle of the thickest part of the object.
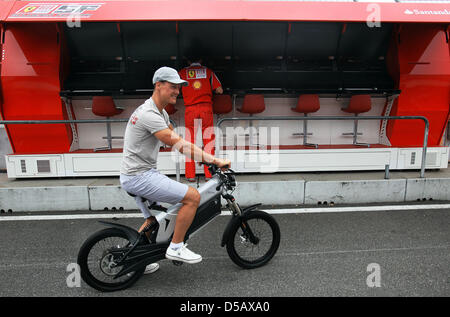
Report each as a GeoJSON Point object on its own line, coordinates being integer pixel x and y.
{"type": "Point", "coordinates": [236, 210]}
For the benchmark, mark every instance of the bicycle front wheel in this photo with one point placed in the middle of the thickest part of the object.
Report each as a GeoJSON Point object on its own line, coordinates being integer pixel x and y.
{"type": "Point", "coordinates": [254, 240]}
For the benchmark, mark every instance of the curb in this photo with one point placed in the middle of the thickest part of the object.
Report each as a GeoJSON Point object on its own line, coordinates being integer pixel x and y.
{"type": "Point", "coordinates": [293, 192]}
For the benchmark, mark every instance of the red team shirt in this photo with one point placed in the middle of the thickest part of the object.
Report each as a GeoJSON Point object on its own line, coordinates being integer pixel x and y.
{"type": "Point", "coordinates": [202, 81]}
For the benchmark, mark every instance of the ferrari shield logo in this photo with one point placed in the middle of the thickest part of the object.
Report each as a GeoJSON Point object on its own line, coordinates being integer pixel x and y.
{"type": "Point", "coordinates": [197, 84]}
{"type": "Point", "coordinates": [29, 9]}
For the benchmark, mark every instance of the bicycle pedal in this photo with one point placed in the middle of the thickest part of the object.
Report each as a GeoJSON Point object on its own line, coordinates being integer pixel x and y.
{"type": "Point", "coordinates": [177, 263]}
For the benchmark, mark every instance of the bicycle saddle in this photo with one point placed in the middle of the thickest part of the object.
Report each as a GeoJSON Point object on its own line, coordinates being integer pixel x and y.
{"type": "Point", "coordinates": [154, 205]}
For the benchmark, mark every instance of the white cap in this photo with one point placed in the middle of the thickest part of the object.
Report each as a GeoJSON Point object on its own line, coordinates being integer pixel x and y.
{"type": "Point", "coordinates": [168, 74]}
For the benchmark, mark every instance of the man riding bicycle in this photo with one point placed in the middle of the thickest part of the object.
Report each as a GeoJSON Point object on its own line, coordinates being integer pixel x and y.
{"type": "Point", "coordinates": [148, 127]}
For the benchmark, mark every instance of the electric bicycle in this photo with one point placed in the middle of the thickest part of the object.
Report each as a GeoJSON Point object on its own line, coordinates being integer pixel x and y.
{"type": "Point", "coordinates": [115, 258]}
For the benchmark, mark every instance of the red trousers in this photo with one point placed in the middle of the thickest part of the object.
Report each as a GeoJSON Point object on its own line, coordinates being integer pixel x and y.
{"type": "Point", "coordinates": [204, 112]}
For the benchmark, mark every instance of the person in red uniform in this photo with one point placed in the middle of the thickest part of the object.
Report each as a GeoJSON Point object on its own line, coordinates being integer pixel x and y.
{"type": "Point", "coordinates": [197, 98]}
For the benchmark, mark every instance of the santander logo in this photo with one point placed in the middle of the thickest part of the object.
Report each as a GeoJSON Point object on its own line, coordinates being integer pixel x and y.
{"type": "Point", "coordinates": [427, 12]}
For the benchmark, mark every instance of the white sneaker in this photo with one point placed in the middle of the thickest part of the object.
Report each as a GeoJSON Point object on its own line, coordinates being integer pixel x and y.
{"type": "Point", "coordinates": [183, 254]}
{"type": "Point", "coordinates": [151, 268]}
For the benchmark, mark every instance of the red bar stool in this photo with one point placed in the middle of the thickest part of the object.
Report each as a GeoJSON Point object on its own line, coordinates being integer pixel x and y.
{"type": "Point", "coordinates": [222, 104]}
{"type": "Point", "coordinates": [104, 106]}
{"type": "Point", "coordinates": [252, 104]}
{"type": "Point", "coordinates": [170, 109]}
{"type": "Point", "coordinates": [307, 103]}
{"type": "Point", "coordinates": [358, 104]}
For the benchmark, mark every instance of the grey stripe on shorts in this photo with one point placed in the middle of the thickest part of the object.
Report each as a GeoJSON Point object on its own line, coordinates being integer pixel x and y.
{"type": "Point", "coordinates": [155, 187]}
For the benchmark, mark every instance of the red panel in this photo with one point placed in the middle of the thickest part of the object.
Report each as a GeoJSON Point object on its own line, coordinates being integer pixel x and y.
{"type": "Point", "coordinates": [5, 8]}
{"type": "Point", "coordinates": [1, 94]}
{"type": "Point", "coordinates": [231, 10]}
{"type": "Point", "coordinates": [423, 76]}
{"type": "Point", "coordinates": [31, 86]}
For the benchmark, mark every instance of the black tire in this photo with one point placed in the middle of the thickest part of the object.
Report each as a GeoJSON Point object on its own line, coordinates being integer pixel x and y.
{"type": "Point", "coordinates": [264, 227]}
{"type": "Point", "coordinates": [86, 269]}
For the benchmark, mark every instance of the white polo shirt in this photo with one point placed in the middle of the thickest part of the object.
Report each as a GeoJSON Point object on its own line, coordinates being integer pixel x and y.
{"type": "Point", "coordinates": [141, 147]}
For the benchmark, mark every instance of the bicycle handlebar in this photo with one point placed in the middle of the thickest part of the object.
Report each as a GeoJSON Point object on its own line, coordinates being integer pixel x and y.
{"type": "Point", "coordinates": [214, 165]}
{"type": "Point", "coordinates": [213, 168]}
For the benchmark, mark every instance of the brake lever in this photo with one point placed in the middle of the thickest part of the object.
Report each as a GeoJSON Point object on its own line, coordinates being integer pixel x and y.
{"type": "Point", "coordinates": [230, 171]}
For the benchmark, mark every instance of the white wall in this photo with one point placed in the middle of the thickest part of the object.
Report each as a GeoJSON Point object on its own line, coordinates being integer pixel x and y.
{"type": "Point", "coordinates": [324, 132]}
{"type": "Point", "coordinates": [5, 147]}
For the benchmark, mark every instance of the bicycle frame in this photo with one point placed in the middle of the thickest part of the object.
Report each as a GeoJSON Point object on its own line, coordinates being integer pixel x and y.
{"type": "Point", "coordinates": [151, 243]}
{"type": "Point", "coordinates": [208, 209]}
{"type": "Point", "coordinates": [137, 256]}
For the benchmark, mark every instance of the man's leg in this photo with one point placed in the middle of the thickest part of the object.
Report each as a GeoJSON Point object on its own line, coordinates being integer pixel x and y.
{"type": "Point", "coordinates": [152, 267]}
{"type": "Point", "coordinates": [155, 186]}
{"type": "Point", "coordinates": [146, 223]}
{"type": "Point", "coordinates": [186, 214]}
{"type": "Point", "coordinates": [177, 250]}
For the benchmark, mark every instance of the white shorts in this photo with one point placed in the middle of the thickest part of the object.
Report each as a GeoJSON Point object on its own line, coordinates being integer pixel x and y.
{"type": "Point", "coordinates": [153, 186]}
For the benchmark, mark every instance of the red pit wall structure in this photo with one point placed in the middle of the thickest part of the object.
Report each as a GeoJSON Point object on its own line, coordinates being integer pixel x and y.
{"type": "Point", "coordinates": [30, 79]}
{"type": "Point", "coordinates": [418, 59]}
{"type": "Point", "coordinates": [419, 62]}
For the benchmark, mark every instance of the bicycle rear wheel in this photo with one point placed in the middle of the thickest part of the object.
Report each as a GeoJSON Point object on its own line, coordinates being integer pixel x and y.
{"type": "Point", "coordinates": [97, 262]}
{"type": "Point", "coordinates": [254, 240]}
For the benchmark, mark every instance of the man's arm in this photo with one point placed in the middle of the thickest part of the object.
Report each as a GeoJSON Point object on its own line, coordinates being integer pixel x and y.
{"type": "Point", "coordinates": [215, 84]}
{"type": "Point", "coordinates": [170, 138]}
